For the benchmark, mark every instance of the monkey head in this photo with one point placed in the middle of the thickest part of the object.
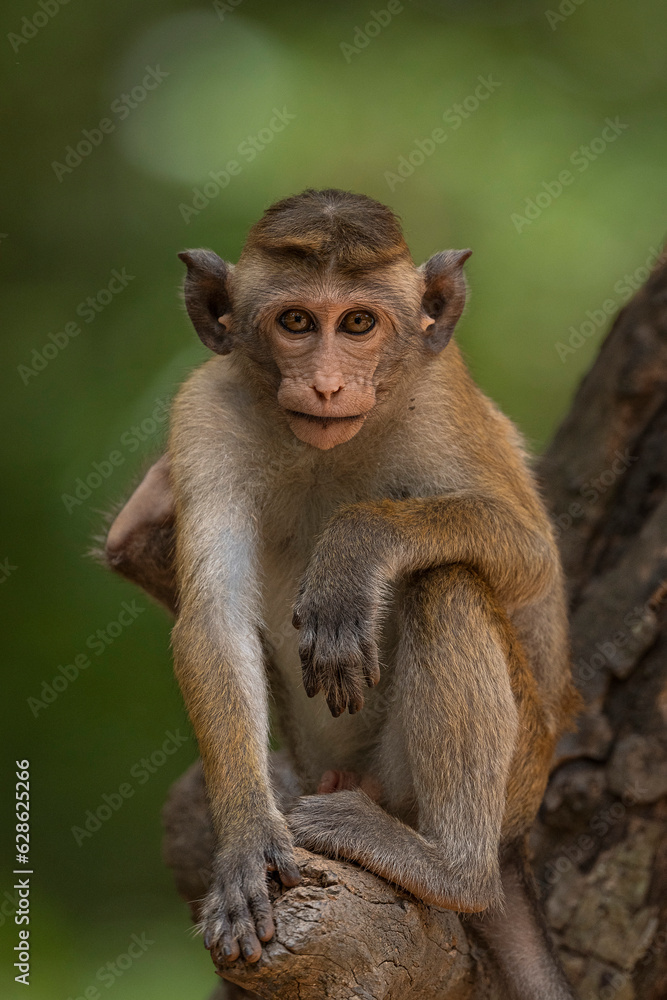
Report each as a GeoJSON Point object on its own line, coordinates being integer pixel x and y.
{"type": "Point", "coordinates": [328, 308]}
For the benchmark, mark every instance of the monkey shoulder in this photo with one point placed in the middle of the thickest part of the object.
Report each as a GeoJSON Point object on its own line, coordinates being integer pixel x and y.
{"type": "Point", "coordinates": [214, 408]}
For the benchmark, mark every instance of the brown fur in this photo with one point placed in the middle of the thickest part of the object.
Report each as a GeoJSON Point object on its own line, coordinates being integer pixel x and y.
{"type": "Point", "coordinates": [419, 561]}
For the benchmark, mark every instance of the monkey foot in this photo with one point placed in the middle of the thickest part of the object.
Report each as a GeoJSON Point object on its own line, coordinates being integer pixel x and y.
{"type": "Point", "coordinates": [338, 781]}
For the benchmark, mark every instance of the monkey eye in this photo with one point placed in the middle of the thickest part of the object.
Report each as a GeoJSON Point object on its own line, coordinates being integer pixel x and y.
{"type": "Point", "coordinates": [357, 321]}
{"type": "Point", "coordinates": [297, 321]}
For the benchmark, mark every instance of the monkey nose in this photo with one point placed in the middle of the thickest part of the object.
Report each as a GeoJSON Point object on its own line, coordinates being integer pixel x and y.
{"type": "Point", "coordinates": [326, 388]}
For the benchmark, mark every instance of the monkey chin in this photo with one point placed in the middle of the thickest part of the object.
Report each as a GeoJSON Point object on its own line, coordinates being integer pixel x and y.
{"type": "Point", "coordinates": [324, 432]}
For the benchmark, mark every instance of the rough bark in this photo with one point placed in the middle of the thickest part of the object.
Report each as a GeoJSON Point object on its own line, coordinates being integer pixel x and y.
{"type": "Point", "coordinates": [600, 851]}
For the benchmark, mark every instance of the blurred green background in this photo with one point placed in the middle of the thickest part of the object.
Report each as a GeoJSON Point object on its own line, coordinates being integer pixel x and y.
{"type": "Point", "coordinates": [356, 102]}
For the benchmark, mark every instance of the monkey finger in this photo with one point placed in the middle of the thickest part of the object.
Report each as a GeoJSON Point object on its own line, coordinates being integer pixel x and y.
{"type": "Point", "coordinates": [311, 682]}
{"type": "Point", "coordinates": [226, 947]}
{"type": "Point", "coordinates": [260, 908]}
{"type": "Point", "coordinates": [286, 868]}
{"type": "Point", "coordinates": [371, 665]}
{"type": "Point", "coordinates": [356, 704]}
{"type": "Point", "coordinates": [229, 947]}
{"type": "Point", "coordinates": [251, 948]}
{"type": "Point", "coordinates": [336, 704]}
{"type": "Point", "coordinates": [289, 874]}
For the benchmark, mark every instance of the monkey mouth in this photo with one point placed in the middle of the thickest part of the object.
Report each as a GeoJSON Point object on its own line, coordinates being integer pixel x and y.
{"type": "Point", "coordinates": [325, 421]}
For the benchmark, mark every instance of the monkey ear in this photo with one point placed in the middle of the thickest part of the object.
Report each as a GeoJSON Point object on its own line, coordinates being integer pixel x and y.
{"type": "Point", "coordinates": [444, 296]}
{"type": "Point", "coordinates": [207, 298]}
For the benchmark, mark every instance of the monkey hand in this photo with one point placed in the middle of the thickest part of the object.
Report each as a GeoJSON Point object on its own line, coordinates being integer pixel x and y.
{"type": "Point", "coordinates": [236, 913]}
{"type": "Point", "coordinates": [337, 645]}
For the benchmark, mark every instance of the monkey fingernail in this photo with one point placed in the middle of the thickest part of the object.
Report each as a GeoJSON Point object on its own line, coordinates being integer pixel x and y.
{"type": "Point", "coordinates": [290, 876]}
{"type": "Point", "coordinates": [230, 951]}
{"type": "Point", "coordinates": [208, 941]}
{"type": "Point", "coordinates": [251, 949]}
{"type": "Point", "coordinates": [265, 932]}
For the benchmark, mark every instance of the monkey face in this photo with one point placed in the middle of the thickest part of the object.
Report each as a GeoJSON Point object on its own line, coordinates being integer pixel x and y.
{"type": "Point", "coordinates": [328, 307]}
{"type": "Point", "coordinates": [327, 353]}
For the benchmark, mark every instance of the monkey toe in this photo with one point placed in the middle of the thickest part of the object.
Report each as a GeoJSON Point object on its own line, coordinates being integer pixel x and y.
{"type": "Point", "coordinates": [335, 781]}
{"type": "Point", "coordinates": [285, 868]}
{"type": "Point", "coordinates": [339, 781]}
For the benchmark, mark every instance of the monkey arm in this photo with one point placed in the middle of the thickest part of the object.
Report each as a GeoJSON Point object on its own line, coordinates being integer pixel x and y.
{"type": "Point", "coordinates": [219, 664]}
{"type": "Point", "coordinates": [509, 545]}
{"type": "Point", "coordinates": [369, 545]}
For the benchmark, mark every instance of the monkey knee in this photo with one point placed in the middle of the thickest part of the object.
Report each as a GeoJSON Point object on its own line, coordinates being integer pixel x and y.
{"type": "Point", "coordinates": [469, 884]}
{"type": "Point", "coordinates": [130, 550]}
{"type": "Point", "coordinates": [118, 547]}
{"type": "Point", "coordinates": [143, 529]}
{"type": "Point", "coordinates": [446, 591]}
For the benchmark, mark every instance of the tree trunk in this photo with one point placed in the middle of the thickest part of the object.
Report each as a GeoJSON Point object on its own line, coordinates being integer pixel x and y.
{"type": "Point", "coordinates": [600, 851]}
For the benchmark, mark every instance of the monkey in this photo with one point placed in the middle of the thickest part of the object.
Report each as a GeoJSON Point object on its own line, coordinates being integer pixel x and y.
{"type": "Point", "coordinates": [343, 515]}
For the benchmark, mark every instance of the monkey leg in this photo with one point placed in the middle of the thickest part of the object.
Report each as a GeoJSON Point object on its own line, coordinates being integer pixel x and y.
{"type": "Point", "coordinates": [140, 542]}
{"type": "Point", "coordinates": [448, 747]}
